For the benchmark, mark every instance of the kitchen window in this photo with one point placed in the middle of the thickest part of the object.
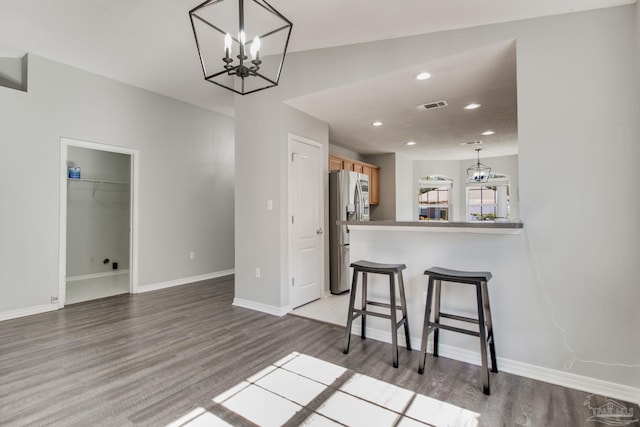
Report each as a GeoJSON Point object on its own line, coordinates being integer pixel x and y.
{"type": "Point", "coordinates": [488, 201]}
{"type": "Point", "coordinates": [434, 198]}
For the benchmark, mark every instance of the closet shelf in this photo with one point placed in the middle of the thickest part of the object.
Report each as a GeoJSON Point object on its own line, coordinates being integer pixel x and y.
{"type": "Point", "coordinates": [98, 181]}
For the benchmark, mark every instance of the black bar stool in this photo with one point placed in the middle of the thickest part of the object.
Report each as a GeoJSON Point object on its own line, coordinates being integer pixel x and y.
{"type": "Point", "coordinates": [479, 280]}
{"type": "Point", "coordinates": [390, 270]}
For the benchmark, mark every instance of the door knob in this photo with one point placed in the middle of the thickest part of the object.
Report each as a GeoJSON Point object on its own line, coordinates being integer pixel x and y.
{"type": "Point", "coordinates": [319, 231]}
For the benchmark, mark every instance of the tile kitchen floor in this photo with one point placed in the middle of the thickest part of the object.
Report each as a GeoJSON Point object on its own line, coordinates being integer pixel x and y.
{"type": "Point", "coordinates": [329, 309]}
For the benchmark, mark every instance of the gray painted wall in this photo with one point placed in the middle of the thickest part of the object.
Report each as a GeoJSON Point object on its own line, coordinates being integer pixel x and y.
{"type": "Point", "coordinates": [186, 177]}
{"type": "Point", "coordinates": [578, 103]}
{"type": "Point", "coordinates": [13, 73]}
{"type": "Point", "coordinates": [637, 10]}
{"type": "Point", "coordinates": [343, 152]}
{"type": "Point", "coordinates": [404, 190]}
{"type": "Point", "coordinates": [386, 210]}
{"type": "Point", "coordinates": [98, 214]}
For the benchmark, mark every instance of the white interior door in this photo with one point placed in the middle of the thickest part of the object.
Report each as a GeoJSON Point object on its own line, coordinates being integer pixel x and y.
{"type": "Point", "coordinates": [306, 221]}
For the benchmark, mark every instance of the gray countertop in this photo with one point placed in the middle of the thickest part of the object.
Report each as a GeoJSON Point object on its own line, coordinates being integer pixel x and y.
{"type": "Point", "coordinates": [485, 225]}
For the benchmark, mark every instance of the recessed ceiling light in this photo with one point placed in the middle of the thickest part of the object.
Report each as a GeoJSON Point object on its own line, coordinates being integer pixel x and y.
{"type": "Point", "coordinates": [472, 106]}
{"type": "Point", "coordinates": [423, 76]}
{"type": "Point", "coordinates": [411, 143]}
{"type": "Point", "coordinates": [376, 124]}
{"type": "Point", "coordinates": [488, 132]}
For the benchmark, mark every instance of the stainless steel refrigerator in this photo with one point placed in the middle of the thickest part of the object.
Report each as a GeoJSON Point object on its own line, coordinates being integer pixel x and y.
{"type": "Point", "coordinates": [348, 201]}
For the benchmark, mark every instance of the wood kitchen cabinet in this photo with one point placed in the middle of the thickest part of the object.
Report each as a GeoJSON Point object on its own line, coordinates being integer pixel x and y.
{"type": "Point", "coordinates": [374, 186]}
{"type": "Point", "coordinates": [348, 165]}
{"type": "Point", "coordinates": [335, 164]}
{"type": "Point", "coordinates": [372, 171]}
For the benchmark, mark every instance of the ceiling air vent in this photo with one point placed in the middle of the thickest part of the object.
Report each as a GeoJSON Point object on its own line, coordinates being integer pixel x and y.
{"type": "Point", "coordinates": [471, 143]}
{"type": "Point", "coordinates": [432, 105]}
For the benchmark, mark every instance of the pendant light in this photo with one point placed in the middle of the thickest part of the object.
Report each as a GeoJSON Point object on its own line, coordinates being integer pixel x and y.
{"type": "Point", "coordinates": [478, 172]}
{"type": "Point", "coordinates": [241, 43]}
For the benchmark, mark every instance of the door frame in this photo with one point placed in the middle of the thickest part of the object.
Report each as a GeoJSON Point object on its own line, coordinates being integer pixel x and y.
{"type": "Point", "coordinates": [291, 138]}
{"type": "Point", "coordinates": [65, 143]}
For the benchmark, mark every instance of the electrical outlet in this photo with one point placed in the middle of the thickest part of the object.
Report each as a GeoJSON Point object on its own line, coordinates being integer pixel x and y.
{"type": "Point", "coordinates": [269, 205]}
{"type": "Point", "coordinates": [54, 300]}
{"type": "Point", "coordinates": [258, 272]}
{"type": "Point", "coordinates": [192, 255]}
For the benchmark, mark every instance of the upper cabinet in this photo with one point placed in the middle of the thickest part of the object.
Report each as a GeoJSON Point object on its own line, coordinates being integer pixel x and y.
{"type": "Point", "coordinates": [372, 171]}
{"type": "Point", "coordinates": [335, 163]}
{"type": "Point", "coordinates": [374, 186]}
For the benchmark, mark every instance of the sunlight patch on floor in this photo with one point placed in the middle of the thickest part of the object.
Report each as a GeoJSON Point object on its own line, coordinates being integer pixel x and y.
{"type": "Point", "coordinates": [277, 393]}
{"type": "Point", "coordinates": [199, 417]}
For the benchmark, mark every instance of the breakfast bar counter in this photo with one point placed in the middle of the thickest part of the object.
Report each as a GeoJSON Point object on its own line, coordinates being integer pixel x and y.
{"type": "Point", "coordinates": [481, 246]}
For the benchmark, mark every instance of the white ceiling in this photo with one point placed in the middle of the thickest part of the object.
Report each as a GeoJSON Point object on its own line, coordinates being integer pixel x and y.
{"type": "Point", "coordinates": [486, 76]}
{"type": "Point", "coordinates": [149, 43]}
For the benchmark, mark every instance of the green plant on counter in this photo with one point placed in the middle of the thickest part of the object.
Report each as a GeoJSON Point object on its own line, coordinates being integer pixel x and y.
{"type": "Point", "coordinates": [484, 217]}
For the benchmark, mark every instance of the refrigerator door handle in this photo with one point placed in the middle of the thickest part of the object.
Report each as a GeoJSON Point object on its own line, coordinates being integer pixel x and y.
{"type": "Point", "coordinates": [359, 207]}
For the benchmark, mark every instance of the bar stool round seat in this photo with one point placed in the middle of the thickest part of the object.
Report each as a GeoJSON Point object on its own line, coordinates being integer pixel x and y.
{"type": "Point", "coordinates": [391, 270]}
{"type": "Point", "coordinates": [479, 280]}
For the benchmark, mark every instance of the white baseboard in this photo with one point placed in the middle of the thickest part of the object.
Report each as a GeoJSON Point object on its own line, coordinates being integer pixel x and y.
{"type": "Point", "coordinates": [552, 376]}
{"type": "Point", "coordinates": [27, 311]}
{"type": "Point", "coordinates": [96, 275]}
{"type": "Point", "coordinates": [567, 379]}
{"type": "Point", "coordinates": [183, 281]}
{"type": "Point", "coordinates": [264, 308]}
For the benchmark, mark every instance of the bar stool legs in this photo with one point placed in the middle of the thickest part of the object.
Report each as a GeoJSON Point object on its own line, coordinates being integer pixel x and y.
{"type": "Point", "coordinates": [436, 317]}
{"type": "Point", "coordinates": [483, 342]}
{"type": "Point", "coordinates": [390, 270]}
{"type": "Point", "coordinates": [485, 325]}
{"type": "Point", "coordinates": [428, 327]}
{"type": "Point", "coordinates": [403, 309]}
{"type": "Point", "coordinates": [394, 335]}
{"type": "Point", "coordinates": [352, 300]}
{"type": "Point", "coordinates": [487, 310]}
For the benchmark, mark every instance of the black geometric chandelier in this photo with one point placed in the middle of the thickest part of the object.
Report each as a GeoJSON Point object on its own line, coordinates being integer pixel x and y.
{"type": "Point", "coordinates": [478, 172]}
{"type": "Point", "coordinates": [241, 43]}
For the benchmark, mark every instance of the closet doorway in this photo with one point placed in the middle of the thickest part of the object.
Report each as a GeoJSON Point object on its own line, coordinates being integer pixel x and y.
{"type": "Point", "coordinates": [97, 221]}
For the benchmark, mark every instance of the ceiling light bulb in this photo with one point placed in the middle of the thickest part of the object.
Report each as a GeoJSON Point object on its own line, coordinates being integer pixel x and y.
{"type": "Point", "coordinates": [255, 48]}
{"type": "Point", "coordinates": [488, 132]}
{"type": "Point", "coordinates": [411, 143]}
{"type": "Point", "coordinates": [227, 44]}
{"type": "Point", "coordinates": [472, 106]}
{"type": "Point", "coordinates": [376, 124]}
{"type": "Point", "coordinates": [423, 76]}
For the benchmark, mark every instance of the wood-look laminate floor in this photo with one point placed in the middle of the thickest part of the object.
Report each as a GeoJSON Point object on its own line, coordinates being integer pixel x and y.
{"type": "Point", "coordinates": [149, 359]}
